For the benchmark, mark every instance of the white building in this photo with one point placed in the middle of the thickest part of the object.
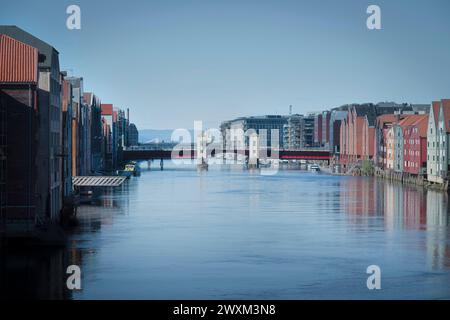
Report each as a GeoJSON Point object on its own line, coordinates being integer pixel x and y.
{"type": "Point", "coordinates": [437, 141]}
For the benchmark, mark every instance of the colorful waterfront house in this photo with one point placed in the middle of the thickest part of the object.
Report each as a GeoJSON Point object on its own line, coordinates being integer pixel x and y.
{"type": "Point", "coordinates": [336, 119]}
{"type": "Point", "coordinates": [357, 121]}
{"type": "Point", "coordinates": [19, 154]}
{"type": "Point", "coordinates": [384, 157]}
{"type": "Point", "coordinates": [49, 107]}
{"type": "Point", "coordinates": [78, 115]}
{"type": "Point", "coordinates": [66, 121]}
{"type": "Point", "coordinates": [437, 141]}
{"type": "Point", "coordinates": [351, 134]}
{"type": "Point", "coordinates": [368, 136]}
{"type": "Point", "coordinates": [383, 123]}
{"type": "Point", "coordinates": [415, 145]}
{"type": "Point", "coordinates": [398, 149]}
{"type": "Point", "coordinates": [401, 142]}
{"type": "Point", "coordinates": [359, 130]}
{"type": "Point", "coordinates": [390, 148]}
{"type": "Point", "coordinates": [107, 116]}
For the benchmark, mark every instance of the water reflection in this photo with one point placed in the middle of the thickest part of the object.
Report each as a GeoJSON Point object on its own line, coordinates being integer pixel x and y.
{"type": "Point", "coordinates": [184, 234]}
{"type": "Point", "coordinates": [401, 207]}
{"type": "Point", "coordinates": [30, 274]}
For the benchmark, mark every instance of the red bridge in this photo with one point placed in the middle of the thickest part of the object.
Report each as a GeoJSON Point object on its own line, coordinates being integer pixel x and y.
{"type": "Point", "coordinates": [137, 155]}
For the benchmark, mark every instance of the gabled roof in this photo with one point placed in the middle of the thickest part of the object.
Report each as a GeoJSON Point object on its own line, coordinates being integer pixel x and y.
{"type": "Point", "coordinates": [411, 119]}
{"type": "Point", "coordinates": [445, 103]}
{"type": "Point", "coordinates": [18, 61]}
{"type": "Point", "coordinates": [435, 106]}
{"type": "Point", "coordinates": [422, 125]}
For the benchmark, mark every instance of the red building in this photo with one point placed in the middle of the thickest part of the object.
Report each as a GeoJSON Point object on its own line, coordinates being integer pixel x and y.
{"type": "Point", "coordinates": [357, 132]}
{"type": "Point", "coordinates": [415, 144]}
{"type": "Point", "coordinates": [19, 151]}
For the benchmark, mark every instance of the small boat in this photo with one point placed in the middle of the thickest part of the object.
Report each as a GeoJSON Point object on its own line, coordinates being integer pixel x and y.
{"type": "Point", "coordinates": [131, 169]}
{"type": "Point", "coordinates": [314, 168]}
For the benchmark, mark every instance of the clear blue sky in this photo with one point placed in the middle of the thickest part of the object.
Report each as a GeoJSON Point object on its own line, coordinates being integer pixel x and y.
{"type": "Point", "coordinates": [173, 62]}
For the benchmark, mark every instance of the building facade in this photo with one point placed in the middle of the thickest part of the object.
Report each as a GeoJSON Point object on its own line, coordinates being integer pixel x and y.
{"type": "Point", "coordinates": [336, 118]}
{"type": "Point", "coordinates": [415, 146]}
{"type": "Point", "coordinates": [133, 135]}
{"type": "Point", "coordinates": [293, 131]}
{"type": "Point", "coordinates": [49, 101]}
{"type": "Point", "coordinates": [437, 141]}
{"type": "Point", "coordinates": [270, 125]}
{"type": "Point", "coordinates": [19, 161]}
{"type": "Point", "coordinates": [318, 129]}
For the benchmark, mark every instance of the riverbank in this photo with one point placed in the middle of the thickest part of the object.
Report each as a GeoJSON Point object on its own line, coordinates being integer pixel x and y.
{"type": "Point", "coordinates": [391, 175]}
{"type": "Point", "coordinates": [410, 179]}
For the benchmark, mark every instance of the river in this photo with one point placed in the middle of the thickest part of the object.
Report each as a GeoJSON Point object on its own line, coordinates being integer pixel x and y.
{"type": "Point", "coordinates": [237, 234]}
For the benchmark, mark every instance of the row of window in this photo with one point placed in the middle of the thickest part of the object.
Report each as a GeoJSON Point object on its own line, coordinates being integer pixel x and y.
{"type": "Point", "coordinates": [436, 144]}
{"type": "Point", "coordinates": [411, 141]}
{"type": "Point", "coordinates": [410, 164]}
{"type": "Point", "coordinates": [436, 158]}
{"type": "Point", "coordinates": [412, 153]}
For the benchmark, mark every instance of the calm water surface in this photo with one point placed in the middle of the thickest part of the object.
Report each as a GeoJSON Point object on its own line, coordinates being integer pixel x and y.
{"type": "Point", "coordinates": [231, 234]}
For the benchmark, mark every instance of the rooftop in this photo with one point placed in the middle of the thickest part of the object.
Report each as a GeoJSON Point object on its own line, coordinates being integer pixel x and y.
{"type": "Point", "coordinates": [44, 48]}
{"type": "Point", "coordinates": [18, 61]}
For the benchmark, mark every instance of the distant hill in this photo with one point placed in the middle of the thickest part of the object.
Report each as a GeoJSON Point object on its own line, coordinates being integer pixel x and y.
{"type": "Point", "coordinates": [155, 135]}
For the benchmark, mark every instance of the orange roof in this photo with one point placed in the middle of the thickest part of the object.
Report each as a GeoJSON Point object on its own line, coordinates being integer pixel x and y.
{"type": "Point", "coordinates": [418, 121]}
{"type": "Point", "coordinates": [18, 61]}
{"type": "Point", "coordinates": [411, 119]}
{"type": "Point", "coordinates": [387, 118]}
{"type": "Point", "coordinates": [422, 125]}
{"type": "Point", "coordinates": [107, 109]}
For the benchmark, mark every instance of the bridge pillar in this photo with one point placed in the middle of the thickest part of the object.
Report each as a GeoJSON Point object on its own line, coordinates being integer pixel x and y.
{"type": "Point", "coordinates": [149, 164]}
{"type": "Point", "coordinates": [161, 164]}
{"type": "Point", "coordinates": [253, 153]}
